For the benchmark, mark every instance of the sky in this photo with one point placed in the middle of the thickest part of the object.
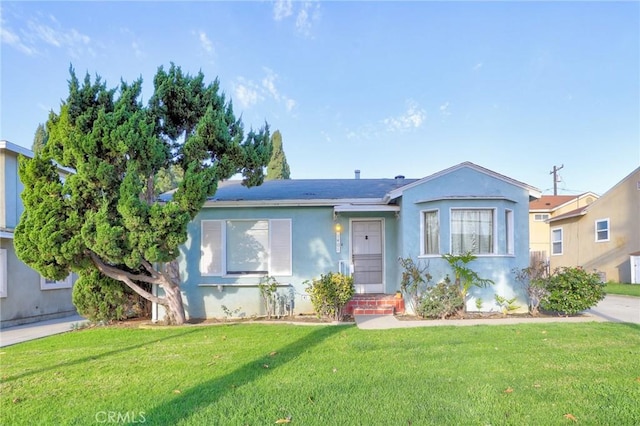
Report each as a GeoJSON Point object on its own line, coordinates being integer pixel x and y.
{"type": "Point", "coordinates": [388, 88]}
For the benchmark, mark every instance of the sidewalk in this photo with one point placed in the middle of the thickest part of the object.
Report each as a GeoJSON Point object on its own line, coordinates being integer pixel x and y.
{"type": "Point", "coordinates": [23, 333]}
{"type": "Point", "coordinates": [613, 308]}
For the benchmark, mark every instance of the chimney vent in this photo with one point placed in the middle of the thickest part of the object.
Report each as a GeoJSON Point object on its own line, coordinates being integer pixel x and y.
{"type": "Point", "coordinates": [357, 172]}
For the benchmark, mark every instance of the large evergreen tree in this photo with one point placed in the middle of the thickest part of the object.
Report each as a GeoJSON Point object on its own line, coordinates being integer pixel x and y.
{"type": "Point", "coordinates": [278, 167]}
{"type": "Point", "coordinates": [105, 216]}
{"type": "Point", "coordinates": [40, 138]}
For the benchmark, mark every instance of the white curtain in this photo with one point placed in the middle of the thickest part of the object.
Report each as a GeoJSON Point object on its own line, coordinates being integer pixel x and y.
{"type": "Point", "coordinates": [247, 246]}
{"type": "Point", "coordinates": [431, 233]}
{"type": "Point", "coordinates": [472, 231]}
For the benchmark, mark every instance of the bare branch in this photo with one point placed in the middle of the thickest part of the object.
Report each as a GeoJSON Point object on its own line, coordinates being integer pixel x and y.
{"type": "Point", "coordinates": [127, 278]}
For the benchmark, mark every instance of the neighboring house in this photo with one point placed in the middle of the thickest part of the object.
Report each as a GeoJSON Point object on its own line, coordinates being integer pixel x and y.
{"type": "Point", "coordinates": [25, 296]}
{"type": "Point", "coordinates": [296, 230]}
{"type": "Point", "coordinates": [603, 236]}
{"type": "Point", "coordinates": [545, 208]}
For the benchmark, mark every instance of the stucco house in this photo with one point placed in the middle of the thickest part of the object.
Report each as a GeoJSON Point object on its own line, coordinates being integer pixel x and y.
{"type": "Point", "coordinates": [25, 296]}
{"type": "Point", "coordinates": [547, 207]}
{"type": "Point", "coordinates": [604, 235]}
{"type": "Point", "coordinates": [296, 230]}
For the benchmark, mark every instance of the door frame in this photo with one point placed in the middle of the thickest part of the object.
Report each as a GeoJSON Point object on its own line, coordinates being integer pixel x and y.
{"type": "Point", "coordinates": [381, 286]}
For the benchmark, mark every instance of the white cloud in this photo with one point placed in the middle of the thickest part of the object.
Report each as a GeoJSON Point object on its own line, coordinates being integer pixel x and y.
{"type": "Point", "coordinates": [412, 118]}
{"type": "Point", "coordinates": [477, 66]}
{"type": "Point", "coordinates": [307, 15]}
{"type": "Point", "coordinates": [206, 44]}
{"type": "Point", "coordinates": [282, 9]}
{"type": "Point", "coordinates": [444, 109]}
{"type": "Point", "coordinates": [76, 43]}
{"type": "Point", "coordinates": [12, 39]}
{"type": "Point", "coordinates": [245, 93]}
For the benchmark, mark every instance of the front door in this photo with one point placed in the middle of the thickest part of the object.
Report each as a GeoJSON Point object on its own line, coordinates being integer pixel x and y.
{"type": "Point", "coordinates": [367, 256]}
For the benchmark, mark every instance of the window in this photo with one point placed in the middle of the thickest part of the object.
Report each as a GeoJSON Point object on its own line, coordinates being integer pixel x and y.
{"type": "Point", "coordinates": [556, 241]}
{"type": "Point", "coordinates": [540, 217]}
{"type": "Point", "coordinates": [508, 227]}
{"type": "Point", "coordinates": [472, 230]}
{"type": "Point", "coordinates": [431, 232]}
{"type": "Point", "coordinates": [602, 230]}
{"type": "Point", "coordinates": [47, 284]}
{"type": "Point", "coordinates": [246, 247]}
{"type": "Point", "coordinates": [3, 272]}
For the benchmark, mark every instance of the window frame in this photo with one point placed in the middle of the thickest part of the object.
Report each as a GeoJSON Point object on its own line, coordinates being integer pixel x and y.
{"type": "Point", "coordinates": [3, 272]}
{"type": "Point", "coordinates": [213, 261]}
{"type": "Point", "coordinates": [423, 229]}
{"type": "Point", "coordinates": [541, 219]}
{"type": "Point", "coordinates": [494, 228]}
{"type": "Point", "coordinates": [47, 284]}
{"type": "Point", "coordinates": [607, 230]}
{"type": "Point", "coordinates": [560, 241]}
{"type": "Point", "coordinates": [509, 229]}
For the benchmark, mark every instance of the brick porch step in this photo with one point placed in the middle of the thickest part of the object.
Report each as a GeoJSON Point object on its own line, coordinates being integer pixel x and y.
{"type": "Point", "coordinates": [380, 310]}
{"type": "Point", "coordinates": [374, 304]}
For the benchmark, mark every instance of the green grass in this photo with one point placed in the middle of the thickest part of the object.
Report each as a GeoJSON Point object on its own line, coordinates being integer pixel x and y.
{"type": "Point", "coordinates": [623, 289]}
{"type": "Point", "coordinates": [255, 374]}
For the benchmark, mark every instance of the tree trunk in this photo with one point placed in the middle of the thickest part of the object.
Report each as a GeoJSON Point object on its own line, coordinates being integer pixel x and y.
{"type": "Point", "coordinates": [173, 295]}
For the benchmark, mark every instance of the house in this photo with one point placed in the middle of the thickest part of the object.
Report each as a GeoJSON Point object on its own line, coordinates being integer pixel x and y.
{"type": "Point", "coordinates": [296, 230]}
{"type": "Point", "coordinates": [545, 208]}
{"type": "Point", "coordinates": [25, 296]}
{"type": "Point", "coordinates": [603, 236]}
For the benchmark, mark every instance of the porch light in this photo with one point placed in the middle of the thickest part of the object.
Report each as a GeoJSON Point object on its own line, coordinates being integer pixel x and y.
{"type": "Point", "coordinates": [338, 229]}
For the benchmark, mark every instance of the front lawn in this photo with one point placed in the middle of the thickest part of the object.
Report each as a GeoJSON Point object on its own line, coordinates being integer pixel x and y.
{"type": "Point", "coordinates": [623, 289]}
{"type": "Point", "coordinates": [258, 374]}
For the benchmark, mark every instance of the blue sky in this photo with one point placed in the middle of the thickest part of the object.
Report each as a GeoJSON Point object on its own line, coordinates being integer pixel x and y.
{"type": "Point", "coordinates": [384, 87]}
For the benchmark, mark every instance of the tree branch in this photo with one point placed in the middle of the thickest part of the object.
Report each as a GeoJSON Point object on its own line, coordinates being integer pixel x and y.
{"type": "Point", "coordinates": [127, 278]}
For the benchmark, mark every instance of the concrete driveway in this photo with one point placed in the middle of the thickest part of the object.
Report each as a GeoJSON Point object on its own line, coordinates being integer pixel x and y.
{"type": "Point", "coordinates": [616, 308]}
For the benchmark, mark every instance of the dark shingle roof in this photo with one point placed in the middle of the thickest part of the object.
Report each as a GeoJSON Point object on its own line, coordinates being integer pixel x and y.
{"type": "Point", "coordinates": [308, 189]}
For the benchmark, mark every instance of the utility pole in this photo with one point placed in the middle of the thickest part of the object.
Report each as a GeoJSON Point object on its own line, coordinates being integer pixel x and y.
{"type": "Point", "coordinates": [554, 172]}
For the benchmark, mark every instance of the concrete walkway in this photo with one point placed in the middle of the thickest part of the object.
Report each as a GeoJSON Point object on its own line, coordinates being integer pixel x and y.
{"type": "Point", "coordinates": [613, 308]}
{"type": "Point", "coordinates": [37, 330]}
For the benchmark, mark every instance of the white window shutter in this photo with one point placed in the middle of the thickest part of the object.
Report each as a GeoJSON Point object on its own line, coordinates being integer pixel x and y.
{"type": "Point", "coordinates": [280, 247]}
{"type": "Point", "coordinates": [211, 247]}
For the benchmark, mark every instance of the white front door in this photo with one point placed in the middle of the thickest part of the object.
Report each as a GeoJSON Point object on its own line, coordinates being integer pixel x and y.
{"type": "Point", "coordinates": [367, 256]}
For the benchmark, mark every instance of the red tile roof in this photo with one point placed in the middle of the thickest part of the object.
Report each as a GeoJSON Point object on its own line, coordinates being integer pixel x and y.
{"type": "Point", "coordinates": [551, 202]}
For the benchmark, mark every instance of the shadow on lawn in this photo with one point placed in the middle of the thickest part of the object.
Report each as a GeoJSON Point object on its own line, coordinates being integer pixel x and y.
{"type": "Point", "coordinates": [193, 400]}
{"type": "Point", "coordinates": [93, 357]}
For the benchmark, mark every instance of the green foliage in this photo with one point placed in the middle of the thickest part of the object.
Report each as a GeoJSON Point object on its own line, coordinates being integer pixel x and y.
{"type": "Point", "coordinates": [534, 281]}
{"type": "Point", "coordinates": [268, 287]}
{"type": "Point", "coordinates": [40, 138]}
{"type": "Point", "coordinates": [441, 300]}
{"type": "Point", "coordinates": [479, 303]}
{"type": "Point", "coordinates": [105, 215]}
{"type": "Point", "coordinates": [99, 298]}
{"type": "Point", "coordinates": [278, 168]}
{"type": "Point", "coordinates": [506, 305]}
{"type": "Point", "coordinates": [230, 313]}
{"type": "Point", "coordinates": [330, 294]}
{"type": "Point", "coordinates": [571, 290]}
{"type": "Point", "coordinates": [414, 282]}
{"type": "Point", "coordinates": [465, 277]}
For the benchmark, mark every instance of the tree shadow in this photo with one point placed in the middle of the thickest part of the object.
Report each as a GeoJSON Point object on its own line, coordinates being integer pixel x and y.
{"type": "Point", "coordinates": [93, 357]}
{"type": "Point", "coordinates": [199, 397]}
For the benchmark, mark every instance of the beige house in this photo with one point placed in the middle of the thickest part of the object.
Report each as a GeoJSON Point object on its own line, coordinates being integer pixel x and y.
{"type": "Point", "coordinates": [604, 235]}
{"type": "Point", "coordinates": [546, 208]}
{"type": "Point", "coordinates": [25, 296]}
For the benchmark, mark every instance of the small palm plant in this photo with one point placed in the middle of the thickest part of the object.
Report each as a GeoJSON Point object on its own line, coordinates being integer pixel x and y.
{"type": "Point", "coordinates": [465, 277]}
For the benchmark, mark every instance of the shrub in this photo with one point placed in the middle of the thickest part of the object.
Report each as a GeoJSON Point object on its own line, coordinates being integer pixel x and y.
{"type": "Point", "coordinates": [330, 294]}
{"type": "Point", "coordinates": [571, 290]}
{"type": "Point", "coordinates": [441, 300]}
{"type": "Point", "coordinates": [100, 298]}
{"type": "Point", "coordinates": [268, 287]}
{"type": "Point", "coordinates": [415, 280]}
{"type": "Point", "coordinates": [534, 282]}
